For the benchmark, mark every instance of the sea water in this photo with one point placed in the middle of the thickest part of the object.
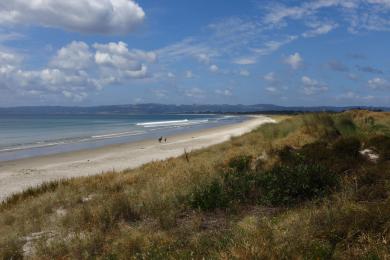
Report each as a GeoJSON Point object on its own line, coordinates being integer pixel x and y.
{"type": "Point", "coordinates": [23, 136]}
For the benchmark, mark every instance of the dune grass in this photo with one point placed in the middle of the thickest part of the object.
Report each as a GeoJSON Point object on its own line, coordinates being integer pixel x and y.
{"type": "Point", "coordinates": [295, 189]}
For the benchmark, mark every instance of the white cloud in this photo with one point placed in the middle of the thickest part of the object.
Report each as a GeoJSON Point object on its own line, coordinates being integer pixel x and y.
{"type": "Point", "coordinates": [9, 58]}
{"type": "Point", "coordinates": [294, 60]}
{"type": "Point", "coordinates": [117, 59]}
{"type": "Point", "coordinates": [311, 86]}
{"type": "Point", "coordinates": [194, 93]}
{"type": "Point", "coordinates": [76, 55]}
{"type": "Point", "coordinates": [356, 14]}
{"type": "Point", "coordinates": [270, 77]}
{"type": "Point", "coordinates": [272, 46]}
{"type": "Point", "coordinates": [245, 61]}
{"type": "Point", "coordinates": [203, 58]}
{"type": "Point", "coordinates": [189, 47]}
{"type": "Point", "coordinates": [171, 75]}
{"type": "Point", "coordinates": [350, 95]}
{"type": "Point", "coordinates": [278, 13]}
{"type": "Point", "coordinates": [75, 71]}
{"type": "Point", "coordinates": [91, 16]}
{"type": "Point", "coordinates": [244, 73]}
{"type": "Point", "coordinates": [160, 93]}
{"type": "Point", "coordinates": [320, 29]}
{"type": "Point", "coordinates": [189, 74]}
{"type": "Point", "coordinates": [271, 89]}
{"type": "Point", "coordinates": [118, 55]}
{"type": "Point", "coordinates": [224, 92]}
{"type": "Point", "coordinates": [214, 68]}
{"type": "Point", "coordinates": [379, 83]}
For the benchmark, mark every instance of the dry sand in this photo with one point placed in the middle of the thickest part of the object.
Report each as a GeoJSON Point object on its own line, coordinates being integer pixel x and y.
{"type": "Point", "coordinates": [16, 176]}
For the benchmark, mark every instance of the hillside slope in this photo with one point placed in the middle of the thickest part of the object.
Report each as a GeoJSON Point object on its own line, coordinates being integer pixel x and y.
{"type": "Point", "coordinates": [313, 186]}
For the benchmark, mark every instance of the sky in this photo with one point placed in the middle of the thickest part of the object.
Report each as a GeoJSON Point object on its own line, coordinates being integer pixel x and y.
{"type": "Point", "coordinates": [106, 52]}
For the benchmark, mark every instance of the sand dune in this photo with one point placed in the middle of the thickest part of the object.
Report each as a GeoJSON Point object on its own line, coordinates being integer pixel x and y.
{"type": "Point", "coordinates": [15, 176]}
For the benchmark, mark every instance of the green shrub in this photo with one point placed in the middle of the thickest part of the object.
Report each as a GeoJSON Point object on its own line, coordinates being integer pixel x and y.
{"type": "Point", "coordinates": [321, 125]}
{"type": "Point", "coordinates": [240, 187]}
{"type": "Point", "coordinates": [210, 197]}
{"type": "Point", "coordinates": [381, 143]}
{"type": "Point", "coordinates": [286, 185]}
{"type": "Point", "coordinates": [236, 186]}
{"type": "Point", "coordinates": [346, 126]}
{"type": "Point", "coordinates": [240, 163]}
{"type": "Point", "coordinates": [11, 249]}
{"type": "Point", "coordinates": [346, 147]}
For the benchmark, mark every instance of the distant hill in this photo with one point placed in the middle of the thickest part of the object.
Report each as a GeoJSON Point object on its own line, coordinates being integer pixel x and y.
{"type": "Point", "coordinates": [170, 109]}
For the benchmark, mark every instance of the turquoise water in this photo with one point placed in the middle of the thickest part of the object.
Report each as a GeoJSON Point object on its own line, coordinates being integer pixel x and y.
{"type": "Point", "coordinates": [23, 136]}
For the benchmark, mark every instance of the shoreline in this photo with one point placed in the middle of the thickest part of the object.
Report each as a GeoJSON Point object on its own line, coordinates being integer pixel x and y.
{"type": "Point", "coordinates": [18, 175]}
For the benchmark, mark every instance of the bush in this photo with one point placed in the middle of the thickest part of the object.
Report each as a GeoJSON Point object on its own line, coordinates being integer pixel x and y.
{"type": "Point", "coordinates": [320, 125]}
{"type": "Point", "coordinates": [240, 163]}
{"type": "Point", "coordinates": [237, 186]}
{"type": "Point", "coordinates": [286, 185]}
{"type": "Point", "coordinates": [381, 143]}
{"type": "Point", "coordinates": [210, 197]}
{"type": "Point", "coordinates": [346, 147]}
{"type": "Point", "coordinates": [346, 126]}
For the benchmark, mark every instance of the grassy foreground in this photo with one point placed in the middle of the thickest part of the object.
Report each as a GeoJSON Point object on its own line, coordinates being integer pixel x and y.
{"type": "Point", "coordinates": [298, 189]}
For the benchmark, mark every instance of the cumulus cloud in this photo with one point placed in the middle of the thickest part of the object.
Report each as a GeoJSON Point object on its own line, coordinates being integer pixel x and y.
{"type": "Point", "coordinates": [355, 96]}
{"type": "Point", "coordinates": [90, 16]}
{"type": "Point", "coordinates": [171, 75]}
{"type": "Point", "coordinates": [244, 73]}
{"type": "Point", "coordinates": [224, 92]}
{"type": "Point", "coordinates": [203, 58]}
{"type": "Point", "coordinates": [189, 74]}
{"type": "Point", "coordinates": [311, 86]}
{"type": "Point", "coordinates": [194, 93]}
{"type": "Point", "coordinates": [76, 55]}
{"type": "Point", "coordinates": [116, 59]}
{"type": "Point", "coordinates": [76, 70]}
{"type": "Point", "coordinates": [379, 83]}
{"type": "Point", "coordinates": [294, 60]}
{"type": "Point", "coordinates": [118, 55]}
{"type": "Point", "coordinates": [214, 68]}
{"type": "Point", "coordinates": [270, 77]}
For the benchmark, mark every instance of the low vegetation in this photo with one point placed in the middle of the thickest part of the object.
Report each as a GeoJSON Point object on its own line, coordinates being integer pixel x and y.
{"type": "Point", "coordinates": [313, 186]}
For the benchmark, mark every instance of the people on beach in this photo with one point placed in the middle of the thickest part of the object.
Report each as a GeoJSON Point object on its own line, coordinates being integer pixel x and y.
{"type": "Point", "coordinates": [161, 139]}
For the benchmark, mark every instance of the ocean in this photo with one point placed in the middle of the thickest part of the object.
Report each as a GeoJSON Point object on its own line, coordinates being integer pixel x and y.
{"type": "Point", "coordinates": [23, 136]}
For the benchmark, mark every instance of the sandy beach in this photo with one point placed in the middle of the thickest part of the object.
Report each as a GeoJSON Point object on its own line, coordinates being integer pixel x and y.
{"type": "Point", "coordinates": [15, 176]}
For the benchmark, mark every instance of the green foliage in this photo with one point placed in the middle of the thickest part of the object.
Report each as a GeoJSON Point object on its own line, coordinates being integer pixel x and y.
{"type": "Point", "coordinates": [210, 197]}
{"type": "Point", "coordinates": [240, 163]}
{"type": "Point", "coordinates": [321, 125]}
{"type": "Point", "coordinates": [346, 147]}
{"type": "Point", "coordinates": [288, 185]}
{"type": "Point", "coordinates": [380, 143]}
{"type": "Point", "coordinates": [11, 249]}
{"type": "Point", "coordinates": [345, 125]}
{"type": "Point", "coordinates": [284, 128]}
{"type": "Point", "coordinates": [235, 187]}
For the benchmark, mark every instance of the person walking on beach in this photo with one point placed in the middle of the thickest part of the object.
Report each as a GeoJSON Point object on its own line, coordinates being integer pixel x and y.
{"type": "Point", "coordinates": [160, 139]}
{"type": "Point", "coordinates": [165, 139]}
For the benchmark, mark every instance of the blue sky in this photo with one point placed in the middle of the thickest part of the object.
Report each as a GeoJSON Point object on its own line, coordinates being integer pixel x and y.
{"type": "Point", "coordinates": [98, 52]}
